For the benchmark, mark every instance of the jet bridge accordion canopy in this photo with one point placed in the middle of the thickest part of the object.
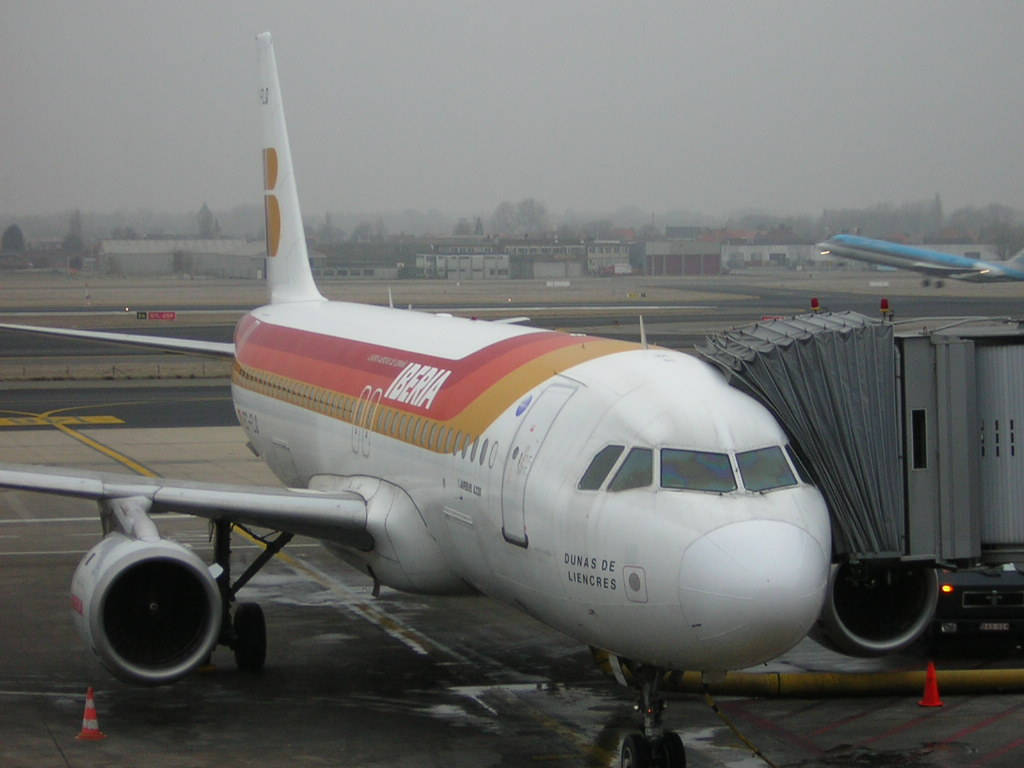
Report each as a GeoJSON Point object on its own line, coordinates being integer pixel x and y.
{"type": "Point", "coordinates": [830, 380]}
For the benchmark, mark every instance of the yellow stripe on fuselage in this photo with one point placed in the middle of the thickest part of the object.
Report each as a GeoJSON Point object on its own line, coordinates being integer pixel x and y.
{"type": "Point", "coordinates": [406, 424]}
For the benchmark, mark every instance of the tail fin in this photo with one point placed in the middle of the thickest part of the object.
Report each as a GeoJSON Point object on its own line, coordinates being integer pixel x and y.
{"type": "Point", "coordinates": [288, 271]}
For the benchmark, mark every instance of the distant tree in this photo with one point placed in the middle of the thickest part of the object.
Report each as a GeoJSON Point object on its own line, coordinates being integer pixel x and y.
{"type": "Point", "coordinates": [532, 216]}
{"type": "Point", "coordinates": [999, 226]}
{"type": "Point", "coordinates": [935, 214]}
{"type": "Point", "coordinates": [503, 220]}
{"type": "Point", "coordinates": [75, 225]}
{"type": "Point", "coordinates": [526, 216]}
{"type": "Point", "coordinates": [463, 227]}
{"type": "Point", "coordinates": [73, 240]}
{"type": "Point", "coordinates": [13, 239]}
{"type": "Point", "coordinates": [362, 233]}
{"type": "Point", "coordinates": [478, 227]}
{"type": "Point", "coordinates": [330, 234]}
{"type": "Point", "coordinates": [207, 224]}
{"type": "Point", "coordinates": [568, 233]}
{"type": "Point", "coordinates": [599, 229]}
{"type": "Point", "coordinates": [649, 232]}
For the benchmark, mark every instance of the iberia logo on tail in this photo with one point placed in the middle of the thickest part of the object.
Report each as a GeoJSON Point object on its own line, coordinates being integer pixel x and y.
{"type": "Point", "coordinates": [271, 208]}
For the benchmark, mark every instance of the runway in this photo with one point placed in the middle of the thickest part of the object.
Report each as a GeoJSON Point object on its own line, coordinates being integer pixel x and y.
{"type": "Point", "coordinates": [397, 680]}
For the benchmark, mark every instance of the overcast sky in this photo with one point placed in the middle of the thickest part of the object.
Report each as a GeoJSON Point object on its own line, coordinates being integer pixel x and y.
{"type": "Point", "coordinates": [586, 105]}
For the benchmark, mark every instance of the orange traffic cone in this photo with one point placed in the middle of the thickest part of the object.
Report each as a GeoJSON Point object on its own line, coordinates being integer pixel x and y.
{"type": "Point", "coordinates": [931, 688]}
{"type": "Point", "coordinates": [90, 722]}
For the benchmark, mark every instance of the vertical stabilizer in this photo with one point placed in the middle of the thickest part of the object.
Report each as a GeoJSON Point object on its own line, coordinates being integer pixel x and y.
{"type": "Point", "coordinates": [288, 272]}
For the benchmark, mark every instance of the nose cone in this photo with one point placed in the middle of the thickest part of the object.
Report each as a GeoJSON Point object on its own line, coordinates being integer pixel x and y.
{"type": "Point", "coordinates": [751, 590]}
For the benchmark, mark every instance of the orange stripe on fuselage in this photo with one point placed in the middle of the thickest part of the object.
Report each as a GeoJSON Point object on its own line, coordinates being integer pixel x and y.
{"type": "Point", "coordinates": [480, 387]}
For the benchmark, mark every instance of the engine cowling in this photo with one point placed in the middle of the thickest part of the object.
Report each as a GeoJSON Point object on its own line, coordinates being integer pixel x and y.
{"type": "Point", "coordinates": [873, 610]}
{"type": "Point", "coordinates": [150, 610]}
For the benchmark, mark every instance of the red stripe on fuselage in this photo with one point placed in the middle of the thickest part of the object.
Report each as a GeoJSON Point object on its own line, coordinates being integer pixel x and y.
{"type": "Point", "coordinates": [347, 366]}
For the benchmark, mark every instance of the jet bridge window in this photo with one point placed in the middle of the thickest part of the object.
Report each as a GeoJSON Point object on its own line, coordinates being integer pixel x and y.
{"type": "Point", "coordinates": [696, 471]}
{"type": "Point", "coordinates": [636, 471]}
{"type": "Point", "coordinates": [599, 467]}
{"type": "Point", "coordinates": [764, 469]}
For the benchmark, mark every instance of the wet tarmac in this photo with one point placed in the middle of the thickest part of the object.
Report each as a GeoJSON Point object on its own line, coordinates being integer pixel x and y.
{"type": "Point", "coordinates": [405, 680]}
{"type": "Point", "coordinates": [398, 680]}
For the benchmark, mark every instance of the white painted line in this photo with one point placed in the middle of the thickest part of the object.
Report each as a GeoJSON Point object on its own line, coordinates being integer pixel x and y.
{"type": "Point", "coordinates": [353, 601]}
{"type": "Point", "coordinates": [90, 519]}
{"type": "Point", "coordinates": [45, 552]}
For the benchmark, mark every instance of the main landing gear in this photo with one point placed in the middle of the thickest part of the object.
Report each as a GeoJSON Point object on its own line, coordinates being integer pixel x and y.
{"type": "Point", "coordinates": [654, 747]}
{"type": "Point", "coordinates": [247, 634]}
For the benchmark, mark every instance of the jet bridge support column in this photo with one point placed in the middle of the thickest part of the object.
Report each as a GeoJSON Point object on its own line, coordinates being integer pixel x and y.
{"type": "Point", "coordinates": [940, 418]}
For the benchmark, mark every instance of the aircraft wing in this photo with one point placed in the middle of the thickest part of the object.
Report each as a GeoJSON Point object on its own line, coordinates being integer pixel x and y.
{"type": "Point", "coordinates": [217, 348]}
{"type": "Point", "coordinates": [941, 270]}
{"type": "Point", "coordinates": [339, 517]}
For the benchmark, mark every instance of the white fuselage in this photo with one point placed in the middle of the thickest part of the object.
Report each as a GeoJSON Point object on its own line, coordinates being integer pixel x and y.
{"type": "Point", "coordinates": [470, 440]}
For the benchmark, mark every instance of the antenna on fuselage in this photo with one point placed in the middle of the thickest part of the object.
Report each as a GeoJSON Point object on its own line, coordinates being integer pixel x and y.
{"type": "Point", "coordinates": [643, 333]}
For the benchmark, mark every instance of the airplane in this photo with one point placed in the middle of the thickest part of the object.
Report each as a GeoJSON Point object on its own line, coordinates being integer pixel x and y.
{"type": "Point", "coordinates": [625, 495]}
{"type": "Point", "coordinates": [924, 260]}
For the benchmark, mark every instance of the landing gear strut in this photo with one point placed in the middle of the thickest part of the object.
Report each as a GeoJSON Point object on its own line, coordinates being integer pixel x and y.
{"type": "Point", "coordinates": [247, 634]}
{"type": "Point", "coordinates": [653, 747]}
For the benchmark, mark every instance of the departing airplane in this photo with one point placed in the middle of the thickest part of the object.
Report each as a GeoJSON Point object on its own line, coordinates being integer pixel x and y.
{"type": "Point", "coordinates": [624, 495]}
{"type": "Point", "coordinates": [924, 260]}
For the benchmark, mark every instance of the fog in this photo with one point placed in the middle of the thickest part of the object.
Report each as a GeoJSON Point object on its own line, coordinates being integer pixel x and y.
{"type": "Point", "coordinates": [456, 106]}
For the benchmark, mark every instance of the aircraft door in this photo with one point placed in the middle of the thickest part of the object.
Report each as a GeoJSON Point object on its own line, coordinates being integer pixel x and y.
{"type": "Point", "coordinates": [519, 461]}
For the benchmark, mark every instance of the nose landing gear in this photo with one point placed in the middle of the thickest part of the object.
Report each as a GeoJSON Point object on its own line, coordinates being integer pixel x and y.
{"type": "Point", "coordinates": [654, 747]}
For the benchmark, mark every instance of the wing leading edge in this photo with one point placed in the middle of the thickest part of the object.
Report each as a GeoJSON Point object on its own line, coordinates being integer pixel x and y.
{"type": "Point", "coordinates": [337, 517]}
{"type": "Point", "coordinates": [217, 348]}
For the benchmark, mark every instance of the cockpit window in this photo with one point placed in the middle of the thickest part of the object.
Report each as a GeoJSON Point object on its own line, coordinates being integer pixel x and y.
{"type": "Point", "coordinates": [636, 471]}
{"type": "Point", "coordinates": [696, 471]}
{"type": "Point", "coordinates": [599, 467]}
{"type": "Point", "coordinates": [801, 471]}
{"type": "Point", "coordinates": [764, 469]}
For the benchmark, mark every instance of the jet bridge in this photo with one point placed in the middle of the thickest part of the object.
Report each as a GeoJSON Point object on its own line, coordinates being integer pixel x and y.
{"type": "Point", "coordinates": [910, 433]}
{"type": "Point", "coordinates": [830, 381]}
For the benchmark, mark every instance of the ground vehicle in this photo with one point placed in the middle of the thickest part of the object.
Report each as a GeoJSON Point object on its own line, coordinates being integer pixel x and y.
{"type": "Point", "coordinates": [981, 606]}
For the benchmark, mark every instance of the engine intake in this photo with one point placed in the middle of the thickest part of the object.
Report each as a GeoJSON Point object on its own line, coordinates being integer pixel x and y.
{"type": "Point", "coordinates": [874, 610]}
{"type": "Point", "coordinates": [150, 610]}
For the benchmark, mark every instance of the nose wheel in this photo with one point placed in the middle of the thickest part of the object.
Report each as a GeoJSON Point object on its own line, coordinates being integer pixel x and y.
{"type": "Point", "coordinates": [653, 747]}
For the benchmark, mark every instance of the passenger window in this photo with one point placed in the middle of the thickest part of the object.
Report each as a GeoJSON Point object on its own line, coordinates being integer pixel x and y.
{"type": "Point", "coordinates": [764, 469]}
{"type": "Point", "coordinates": [696, 471]}
{"type": "Point", "coordinates": [599, 467]}
{"type": "Point", "coordinates": [636, 471]}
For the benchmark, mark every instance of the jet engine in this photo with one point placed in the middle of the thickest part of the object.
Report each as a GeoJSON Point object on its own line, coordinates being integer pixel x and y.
{"type": "Point", "coordinates": [873, 610]}
{"type": "Point", "coordinates": [149, 608]}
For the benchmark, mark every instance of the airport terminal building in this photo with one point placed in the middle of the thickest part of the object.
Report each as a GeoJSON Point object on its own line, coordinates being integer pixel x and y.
{"type": "Point", "coordinates": [223, 257]}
